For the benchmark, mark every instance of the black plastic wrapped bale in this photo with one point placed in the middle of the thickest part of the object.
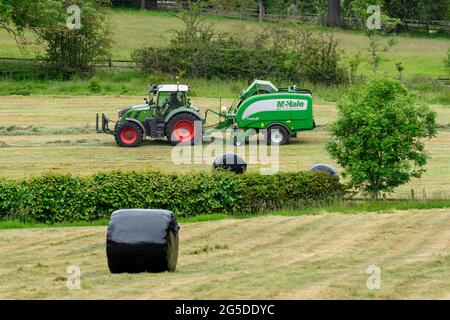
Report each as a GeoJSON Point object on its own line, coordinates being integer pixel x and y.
{"type": "Point", "coordinates": [141, 240]}
{"type": "Point", "coordinates": [321, 167]}
{"type": "Point", "coordinates": [230, 161]}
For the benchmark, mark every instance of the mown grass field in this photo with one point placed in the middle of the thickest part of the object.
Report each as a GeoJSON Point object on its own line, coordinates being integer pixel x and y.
{"type": "Point", "coordinates": [65, 141]}
{"type": "Point", "coordinates": [320, 255]}
{"type": "Point", "coordinates": [273, 257]}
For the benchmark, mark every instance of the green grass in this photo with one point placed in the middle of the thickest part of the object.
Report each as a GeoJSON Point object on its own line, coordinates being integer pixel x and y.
{"type": "Point", "coordinates": [130, 82]}
{"type": "Point", "coordinates": [17, 224]}
{"type": "Point", "coordinates": [321, 257]}
{"type": "Point", "coordinates": [60, 147]}
{"type": "Point", "coordinates": [422, 58]}
{"type": "Point", "coordinates": [338, 207]}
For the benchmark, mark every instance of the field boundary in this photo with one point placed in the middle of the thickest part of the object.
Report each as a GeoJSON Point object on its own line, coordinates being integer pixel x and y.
{"type": "Point", "coordinates": [108, 64]}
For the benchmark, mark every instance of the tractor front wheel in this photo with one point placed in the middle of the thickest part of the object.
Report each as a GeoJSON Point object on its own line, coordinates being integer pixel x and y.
{"type": "Point", "coordinates": [128, 134]}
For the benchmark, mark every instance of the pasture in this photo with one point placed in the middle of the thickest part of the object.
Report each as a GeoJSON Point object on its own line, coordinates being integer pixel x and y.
{"type": "Point", "coordinates": [313, 253]}
{"type": "Point", "coordinates": [422, 57]}
{"type": "Point", "coordinates": [57, 133]}
{"type": "Point", "coordinates": [272, 257]}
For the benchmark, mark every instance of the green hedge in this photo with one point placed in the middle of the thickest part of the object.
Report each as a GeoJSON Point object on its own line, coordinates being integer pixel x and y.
{"type": "Point", "coordinates": [212, 62]}
{"type": "Point", "coordinates": [60, 197]}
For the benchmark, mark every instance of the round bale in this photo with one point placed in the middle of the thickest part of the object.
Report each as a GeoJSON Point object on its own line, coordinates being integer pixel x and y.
{"type": "Point", "coordinates": [230, 161]}
{"type": "Point", "coordinates": [142, 240]}
{"type": "Point", "coordinates": [322, 167]}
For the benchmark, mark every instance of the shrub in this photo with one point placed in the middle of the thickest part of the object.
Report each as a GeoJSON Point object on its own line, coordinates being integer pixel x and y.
{"type": "Point", "coordinates": [200, 51]}
{"type": "Point", "coordinates": [70, 52]}
{"type": "Point", "coordinates": [378, 136]}
{"type": "Point", "coordinates": [60, 197]}
{"type": "Point", "coordinates": [447, 62]}
{"type": "Point", "coordinates": [10, 201]}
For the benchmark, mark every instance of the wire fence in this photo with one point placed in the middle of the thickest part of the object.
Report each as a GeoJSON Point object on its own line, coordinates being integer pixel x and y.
{"type": "Point", "coordinates": [13, 65]}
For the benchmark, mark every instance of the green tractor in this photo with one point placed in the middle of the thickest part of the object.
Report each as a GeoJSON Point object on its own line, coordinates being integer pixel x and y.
{"type": "Point", "coordinates": [280, 113]}
{"type": "Point", "coordinates": [168, 113]}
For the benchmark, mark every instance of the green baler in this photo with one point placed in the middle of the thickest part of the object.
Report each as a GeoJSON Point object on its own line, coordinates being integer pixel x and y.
{"type": "Point", "coordinates": [262, 106]}
{"type": "Point", "coordinates": [280, 113]}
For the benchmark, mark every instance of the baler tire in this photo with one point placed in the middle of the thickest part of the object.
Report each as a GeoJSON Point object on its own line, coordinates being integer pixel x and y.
{"type": "Point", "coordinates": [282, 130]}
{"type": "Point", "coordinates": [176, 119]}
{"type": "Point", "coordinates": [137, 135]}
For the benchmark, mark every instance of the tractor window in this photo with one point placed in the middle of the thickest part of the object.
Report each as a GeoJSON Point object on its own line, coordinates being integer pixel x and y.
{"type": "Point", "coordinates": [172, 99]}
{"type": "Point", "coordinates": [167, 101]}
{"type": "Point", "coordinates": [163, 98]}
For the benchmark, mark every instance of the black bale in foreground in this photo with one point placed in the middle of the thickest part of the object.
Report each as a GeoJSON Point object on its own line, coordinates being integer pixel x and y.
{"type": "Point", "coordinates": [141, 240]}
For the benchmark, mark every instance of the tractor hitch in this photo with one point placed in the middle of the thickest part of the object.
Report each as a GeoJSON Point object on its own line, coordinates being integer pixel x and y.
{"type": "Point", "coordinates": [103, 127]}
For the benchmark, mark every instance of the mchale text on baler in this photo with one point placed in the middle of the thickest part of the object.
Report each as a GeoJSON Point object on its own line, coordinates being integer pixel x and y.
{"type": "Point", "coordinates": [169, 113]}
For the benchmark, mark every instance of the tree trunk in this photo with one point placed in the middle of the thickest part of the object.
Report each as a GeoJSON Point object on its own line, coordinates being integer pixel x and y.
{"type": "Point", "coordinates": [142, 5]}
{"type": "Point", "coordinates": [334, 13]}
{"type": "Point", "coordinates": [262, 10]}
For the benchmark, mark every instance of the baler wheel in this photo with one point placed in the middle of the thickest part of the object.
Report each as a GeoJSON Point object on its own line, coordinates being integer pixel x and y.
{"type": "Point", "coordinates": [277, 135]}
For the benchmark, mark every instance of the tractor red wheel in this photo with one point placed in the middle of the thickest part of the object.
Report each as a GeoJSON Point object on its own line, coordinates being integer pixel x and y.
{"type": "Point", "coordinates": [181, 128]}
{"type": "Point", "coordinates": [128, 134]}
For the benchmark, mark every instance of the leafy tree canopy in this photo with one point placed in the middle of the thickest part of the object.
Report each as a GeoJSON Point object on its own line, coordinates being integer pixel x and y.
{"type": "Point", "coordinates": [378, 136]}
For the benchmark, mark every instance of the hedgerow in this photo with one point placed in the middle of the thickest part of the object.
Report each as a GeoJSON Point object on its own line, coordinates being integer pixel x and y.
{"type": "Point", "coordinates": [54, 198]}
{"type": "Point", "coordinates": [274, 53]}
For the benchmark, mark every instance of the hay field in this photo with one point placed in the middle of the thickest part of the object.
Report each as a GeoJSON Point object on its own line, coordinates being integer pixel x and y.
{"type": "Point", "coordinates": [272, 257]}
{"type": "Point", "coordinates": [65, 141]}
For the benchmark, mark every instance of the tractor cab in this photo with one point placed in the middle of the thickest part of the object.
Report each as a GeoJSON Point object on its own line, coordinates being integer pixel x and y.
{"type": "Point", "coordinates": [168, 97]}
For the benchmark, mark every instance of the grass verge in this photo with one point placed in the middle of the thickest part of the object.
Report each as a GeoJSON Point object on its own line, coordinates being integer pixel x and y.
{"type": "Point", "coordinates": [339, 207]}
{"type": "Point", "coordinates": [131, 82]}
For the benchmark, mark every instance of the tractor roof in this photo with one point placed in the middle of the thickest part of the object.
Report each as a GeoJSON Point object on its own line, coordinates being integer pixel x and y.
{"type": "Point", "coordinates": [173, 87]}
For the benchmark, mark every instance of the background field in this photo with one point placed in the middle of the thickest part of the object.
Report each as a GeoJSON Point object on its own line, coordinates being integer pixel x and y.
{"type": "Point", "coordinates": [421, 57]}
{"type": "Point", "coordinates": [49, 126]}
{"type": "Point", "coordinates": [313, 257]}
{"type": "Point", "coordinates": [63, 139]}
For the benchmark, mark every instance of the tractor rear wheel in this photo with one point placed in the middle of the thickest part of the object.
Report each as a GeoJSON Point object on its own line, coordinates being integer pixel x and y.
{"type": "Point", "coordinates": [182, 128]}
{"type": "Point", "coordinates": [277, 135]}
{"type": "Point", "coordinates": [128, 134]}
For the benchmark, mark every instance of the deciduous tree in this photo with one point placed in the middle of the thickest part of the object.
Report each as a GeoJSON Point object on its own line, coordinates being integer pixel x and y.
{"type": "Point", "coordinates": [378, 137]}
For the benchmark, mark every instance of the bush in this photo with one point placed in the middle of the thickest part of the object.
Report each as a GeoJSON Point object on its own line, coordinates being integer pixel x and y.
{"type": "Point", "coordinates": [59, 197]}
{"type": "Point", "coordinates": [70, 52]}
{"type": "Point", "coordinates": [378, 137]}
{"type": "Point", "coordinates": [199, 51]}
{"type": "Point", "coordinates": [10, 198]}
{"type": "Point", "coordinates": [447, 62]}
